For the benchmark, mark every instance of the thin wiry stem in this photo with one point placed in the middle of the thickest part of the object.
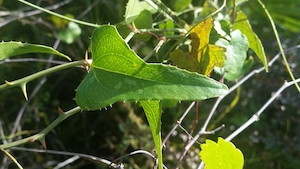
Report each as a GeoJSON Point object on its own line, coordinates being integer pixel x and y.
{"type": "Point", "coordinates": [20, 15]}
{"type": "Point", "coordinates": [86, 156]}
{"type": "Point", "coordinates": [177, 123]}
{"type": "Point", "coordinates": [8, 60]}
{"type": "Point", "coordinates": [279, 45]}
{"type": "Point", "coordinates": [255, 116]}
{"type": "Point", "coordinates": [59, 15]}
{"type": "Point", "coordinates": [138, 152]}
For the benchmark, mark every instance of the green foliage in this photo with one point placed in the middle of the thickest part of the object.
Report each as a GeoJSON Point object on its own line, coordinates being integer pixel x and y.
{"type": "Point", "coordinates": [233, 76]}
{"type": "Point", "coordinates": [180, 5]}
{"type": "Point", "coordinates": [134, 8]}
{"type": "Point", "coordinates": [8, 49]}
{"type": "Point", "coordinates": [153, 113]}
{"type": "Point", "coordinates": [118, 74]}
{"type": "Point", "coordinates": [241, 23]}
{"type": "Point", "coordinates": [204, 56]}
{"type": "Point", "coordinates": [221, 155]}
{"type": "Point", "coordinates": [71, 33]}
{"type": "Point", "coordinates": [235, 51]}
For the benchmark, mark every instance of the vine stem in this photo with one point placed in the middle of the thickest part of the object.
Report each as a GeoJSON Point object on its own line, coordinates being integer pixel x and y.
{"type": "Point", "coordinates": [23, 81]}
{"type": "Point", "coordinates": [41, 135]}
{"type": "Point", "coordinates": [79, 155]}
{"type": "Point", "coordinates": [20, 15]}
{"type": "Point", "coordinates": [59, 15]}
{"type": "Point", "coordinates": [279, 45]}
{"type": "Point", "coordinates": [12, 158]}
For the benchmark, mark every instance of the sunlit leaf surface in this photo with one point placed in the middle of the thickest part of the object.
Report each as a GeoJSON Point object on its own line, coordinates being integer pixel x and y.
{"type": "Point", "coordinates": [118, 74]}
{"type": "Point", "coordinates": [221, 155]}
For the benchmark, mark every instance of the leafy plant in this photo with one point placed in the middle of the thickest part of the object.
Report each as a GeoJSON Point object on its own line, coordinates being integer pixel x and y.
{"type": "Point", "coordinates": [213, 47]}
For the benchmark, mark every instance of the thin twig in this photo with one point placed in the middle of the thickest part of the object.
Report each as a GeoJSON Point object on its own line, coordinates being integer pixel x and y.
{"type": "Point", "coordinates": [21, 15]}
{"type": "Point", "coordinates": [8, 60]}
{"type": "Point", "coordinates": [279, 44]}
{"type": "Point", "coordinates": [178, 123]}
{"type": "Point", "coordinates": [86, 156]}
{"type": "Point", "coordinates": [138, 152]}
{"type": "Point", "coordinates": [255, 116]}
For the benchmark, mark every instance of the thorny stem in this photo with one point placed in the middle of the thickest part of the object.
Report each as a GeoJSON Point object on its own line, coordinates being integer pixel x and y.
{"type": "Point", "coordinates": [41, 135]}
{"type": "Point", "coordinates": [29, 78]}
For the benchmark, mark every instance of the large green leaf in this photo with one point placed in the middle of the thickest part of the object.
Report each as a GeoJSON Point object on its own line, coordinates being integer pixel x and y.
{"type": "Point", "coordinates": [221, 155]}
{"type": "Point", "coordinates": [8, 49]}
{"type": "Point", "coordinates": [153, 113]}
{"type": "Point", "coordinates": [118, 74]}
{"type": "Point", "coordinates": [241, 23]}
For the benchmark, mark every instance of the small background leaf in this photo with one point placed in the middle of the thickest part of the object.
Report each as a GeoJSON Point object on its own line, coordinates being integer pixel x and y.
{"type": "Point", "coordinates": [143, 21]}
{"type": "Point", "coordinates": [71, 33]}
{"type": "Point", "coordinates": [167, 25]}
{"type": "Point", "coordinates": [134, 8]}
{"type": "Point", "coordinates": [180, 5]}
{"type": "Point", "coordinates": [60, 22]}
{"type": "Point", "coordinates": [231, 76]}
{"type": "Point", "coordinates": [221, 155]}
{"type": "Point", "coordinates": [8, 49]}
{"type": "Point", "coordinates": [235, 51]}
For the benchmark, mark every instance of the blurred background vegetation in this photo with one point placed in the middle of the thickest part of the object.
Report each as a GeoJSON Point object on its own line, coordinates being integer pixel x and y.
{"type": "Point", "coordinates": [272, 142]}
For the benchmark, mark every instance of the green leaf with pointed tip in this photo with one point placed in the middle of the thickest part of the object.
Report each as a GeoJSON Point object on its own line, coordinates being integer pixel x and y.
{"type": "Point", "coordinates": [8, 49]}
{"type": "Point", "coordinates": [241, 23]}
{"type": "Point", "coordinates": [153, 113]}
{"type": "Point", "coordinates": [221, 155]}
{"type": "Point", "coordinates": [118, 74]}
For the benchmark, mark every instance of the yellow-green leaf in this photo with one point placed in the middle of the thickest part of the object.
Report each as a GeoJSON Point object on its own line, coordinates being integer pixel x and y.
{"type": "Point", "coordinates": [204, 56]}
{"type": "Point", "coordinates": [184, 60]}
{"type": "Point", "coordinates": [221, 155]}
{"type": "Point", "coordinates": [60, 22]}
